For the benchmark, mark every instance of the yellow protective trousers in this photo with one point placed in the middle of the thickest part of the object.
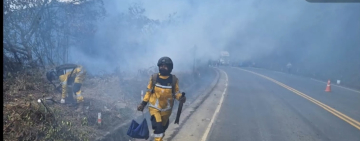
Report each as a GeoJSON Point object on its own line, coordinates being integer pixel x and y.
{"type": "Point", "coordinates": [73, 79]}
{"type": "Point", "coordinates": [160, 122]}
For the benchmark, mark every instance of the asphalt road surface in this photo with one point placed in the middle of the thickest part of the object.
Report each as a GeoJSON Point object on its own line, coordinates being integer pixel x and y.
{"type": "Point", "coordinates": [282, 107]}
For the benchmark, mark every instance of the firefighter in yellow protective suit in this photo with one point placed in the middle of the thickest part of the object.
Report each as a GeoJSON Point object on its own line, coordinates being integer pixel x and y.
{"type": "Point", "coordinates": [163, 88]}
{"type": "Point", "coordinates": [71, 80]}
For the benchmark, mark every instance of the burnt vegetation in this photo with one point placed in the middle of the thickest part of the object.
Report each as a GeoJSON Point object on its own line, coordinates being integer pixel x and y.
{"type": "Point", "coordinates": [38, 35]}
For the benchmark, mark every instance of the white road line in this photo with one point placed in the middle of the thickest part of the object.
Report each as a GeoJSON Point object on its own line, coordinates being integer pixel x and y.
{"type": "Point", "coordinates": [204, 137]}
{"type": "Point", "coordinates": [336, 85]}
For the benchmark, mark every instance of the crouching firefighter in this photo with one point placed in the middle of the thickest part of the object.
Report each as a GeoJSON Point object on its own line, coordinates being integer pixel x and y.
{"type": "Point", "coordinates": [163, 88]}
{"type": "Point", "coordinates": [71, 77]}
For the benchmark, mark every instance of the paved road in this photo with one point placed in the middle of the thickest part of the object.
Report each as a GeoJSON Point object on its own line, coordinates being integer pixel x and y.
{"type": "Point", "coordinates": [257, 109]}
{"type": "Point", "coordinates": [191, 94]}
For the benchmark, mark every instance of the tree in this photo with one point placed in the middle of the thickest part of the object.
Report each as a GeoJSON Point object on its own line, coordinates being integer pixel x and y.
{"type": "Point", "coordinates": [40, 32]}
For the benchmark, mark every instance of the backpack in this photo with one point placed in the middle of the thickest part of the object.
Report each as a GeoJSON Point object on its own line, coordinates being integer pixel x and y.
{"type": "Point", "coordinates": [154, 78]}
{"type": "Point", "coordinates": [61, 68]}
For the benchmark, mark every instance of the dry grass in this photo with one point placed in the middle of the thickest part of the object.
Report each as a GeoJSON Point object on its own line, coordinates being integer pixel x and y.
{"type": "Point", "coordinates": [24, 118]}
{"type": "Point", "coordinates": [112, 95]}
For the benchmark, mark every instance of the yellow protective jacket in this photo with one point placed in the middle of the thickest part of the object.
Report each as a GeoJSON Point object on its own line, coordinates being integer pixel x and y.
{"type": "Point", "coordinates": [163, 98]}
{"type": "Point", "coordinates": [75, 76]}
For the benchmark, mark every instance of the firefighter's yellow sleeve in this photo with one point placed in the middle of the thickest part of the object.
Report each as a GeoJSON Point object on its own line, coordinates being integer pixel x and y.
{"type": "Point", "coordinates": [148, 92]}
{"type": "Point", "coordinates": [63, 80]}
{"type": "Point", "coordinates": [80, 74]}
{"type": "Point", "coordinates": [177, 90]}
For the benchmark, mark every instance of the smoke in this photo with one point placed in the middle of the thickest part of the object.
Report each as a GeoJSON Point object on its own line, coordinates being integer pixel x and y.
{"type": "Point", "coordinates": [247, 29]}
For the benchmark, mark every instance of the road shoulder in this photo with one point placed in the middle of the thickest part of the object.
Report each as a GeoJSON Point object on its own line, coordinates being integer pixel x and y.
{"type": "Point", "coordinates": [199, 116]}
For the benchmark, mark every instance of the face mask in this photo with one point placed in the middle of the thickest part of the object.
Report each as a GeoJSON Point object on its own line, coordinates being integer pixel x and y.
{"type": "Point", "coordinates": [163, 72]}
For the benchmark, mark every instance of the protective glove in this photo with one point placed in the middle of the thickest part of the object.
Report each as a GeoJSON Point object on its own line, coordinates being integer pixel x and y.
{"type": "Point", "coordinates": [141, 106]}
{"type": "Point", "coordinates": [182, 99]}
{"type": "Point", "coordinates": [62, 101]}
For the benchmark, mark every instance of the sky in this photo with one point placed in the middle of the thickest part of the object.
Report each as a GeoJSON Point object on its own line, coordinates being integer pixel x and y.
{"type": "Point", "coordinates": [247, 29]}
